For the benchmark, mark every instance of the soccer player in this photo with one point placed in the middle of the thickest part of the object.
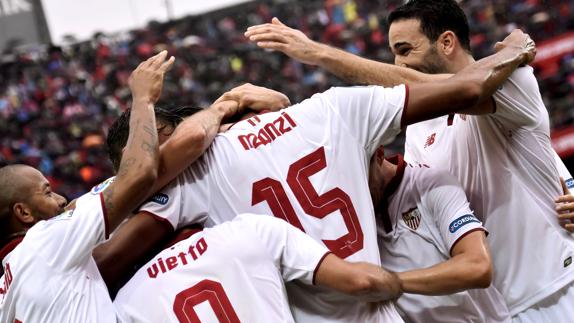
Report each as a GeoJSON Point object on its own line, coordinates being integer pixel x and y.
{"type": "Point", "coordinates": [237, 268]}
{"type": "Point", "coordinates": [431, 238]}
{"type": "Point", "coordinates": [500, 152]}
{"type": "Point", "coordinates": [308, 165]}
{"type": "Point", "coordinates": [56, 254]}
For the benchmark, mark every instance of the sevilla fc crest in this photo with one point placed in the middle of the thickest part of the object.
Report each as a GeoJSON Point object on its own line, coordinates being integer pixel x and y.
{"type": "Point", "coordinates": [412, 218]}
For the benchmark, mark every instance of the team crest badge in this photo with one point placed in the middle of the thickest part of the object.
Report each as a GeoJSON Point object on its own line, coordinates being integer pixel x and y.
{"type": "Point", "coordinates": [412, 218]}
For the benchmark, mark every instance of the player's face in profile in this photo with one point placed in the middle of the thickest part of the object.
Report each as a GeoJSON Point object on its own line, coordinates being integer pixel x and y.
{"type": "Point", "coordinates": [41, 200]}
{"type": "Point", "coordinates": [413, 49]}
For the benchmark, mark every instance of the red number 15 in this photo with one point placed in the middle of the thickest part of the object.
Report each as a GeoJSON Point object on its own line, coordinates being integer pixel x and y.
{"type": "Point", "coordinates": [315, 205]}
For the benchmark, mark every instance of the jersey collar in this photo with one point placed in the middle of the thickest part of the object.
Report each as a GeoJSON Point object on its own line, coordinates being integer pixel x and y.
{"type": "Point", "coordinates": [398, 178]}
{"type": "Point", "coordinates": [10, 245]}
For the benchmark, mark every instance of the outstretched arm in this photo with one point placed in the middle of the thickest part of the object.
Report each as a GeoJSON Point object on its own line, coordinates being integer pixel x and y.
{"type": "Point", "coordinates": [138, 168]}
{"type": "Point", "coordinates": [369, 282]}
{"type": "Point", "coordinates": [350, 68]}
{"type": "Point", "coordinates": [470, 267]}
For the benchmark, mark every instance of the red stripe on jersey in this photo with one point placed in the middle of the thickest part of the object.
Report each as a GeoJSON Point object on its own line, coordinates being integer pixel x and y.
{"type": "Point", "coordinates": [105, 214]}
{"type": "Point", "coordinates": [405, 107]}
{"type": "Point", "coordinates": [319, 264]}
{"type": "Point", "coordinates": [464, 235]}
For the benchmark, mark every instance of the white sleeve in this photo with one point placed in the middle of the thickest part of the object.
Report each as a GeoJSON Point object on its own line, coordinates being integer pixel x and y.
{"type": "Point", "coordinates": [518, 100]}
{"type": "Point", "coordinates": [564, 173]}
{"type": "Point", "coordinates": [69, 238]}
{"type": "Point", "coordinates": [180, 202]}
{"type": "Point", "coordinates": [372, 114]}
{"type": "Point", "coordinates": [294, 253]}
{"type": "Point", "coordinates": [446, 202]}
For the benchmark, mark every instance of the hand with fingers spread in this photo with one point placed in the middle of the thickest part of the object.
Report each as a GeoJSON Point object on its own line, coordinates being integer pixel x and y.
{"type": "Point", "coordinates": [146, 81]}
{"type": "Point", "coordinates": [256, 98]}
{"type": "Point", "coordinates": [291, 42]}
{"type": "Point", "coordinates": [565, 208]}
{"type": "Point", "coordinates": [520, 41]}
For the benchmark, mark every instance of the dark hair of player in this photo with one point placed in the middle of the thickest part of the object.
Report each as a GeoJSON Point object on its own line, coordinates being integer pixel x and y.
{"type": "Point", "coordinates": [436, 17]}
{"type": "Point", "coordinates": [120, 129]}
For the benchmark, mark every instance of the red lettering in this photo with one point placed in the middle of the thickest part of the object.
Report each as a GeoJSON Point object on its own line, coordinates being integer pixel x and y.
{"type": "Point", "coordinates": [182, 257]}
{"type": "Point", "coordinates": [201, 246]}
{"type": "Point", "coordinates": [244, 141]}
{"type": "Point", "coordinates": [282, 127]}
{"type": "Point", "coordinates": [161, 265]}
{"type": "Point", "coordinates": [192, 253]}
{"type": "Point", "coordinates": [291, 122]}
{"type": "Point", "coordinates": [152, 271]}
{"type": "Point", "coordinates": [271, 131]}
{"type": "Point", "coordinates": [171, 263]}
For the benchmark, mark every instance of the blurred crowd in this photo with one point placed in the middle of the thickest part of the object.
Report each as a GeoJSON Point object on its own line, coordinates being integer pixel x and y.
{"type": "Point", "coordinates": [56, 103]}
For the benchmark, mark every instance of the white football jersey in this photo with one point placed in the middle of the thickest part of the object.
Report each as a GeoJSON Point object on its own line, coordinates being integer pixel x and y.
{"type": "Point", "coordinates": [51, 275]}
{"type": "Point", "coordinates": [506, 166]}
{"type": "Point", "coordinates": [233, 272]}
{"type": "Point", "coordinates": [307, 164]}
{"type": "Point", "coordinates": [427, 214]}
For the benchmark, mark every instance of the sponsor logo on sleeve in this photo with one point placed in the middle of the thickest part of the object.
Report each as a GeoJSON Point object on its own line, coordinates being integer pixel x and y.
{"type": "Point", "coordinates": [412, 218]}
{"type": "Point", "coordinates": [102, 186]}
{"type": "Point", "coordinates": [567, 261]}
{"type": "Point", "coordinates": [159, 198]}
{"type": "Point", "coordinates": [570, 183]}
{"type": "Point", "coordinates": [461, 222]}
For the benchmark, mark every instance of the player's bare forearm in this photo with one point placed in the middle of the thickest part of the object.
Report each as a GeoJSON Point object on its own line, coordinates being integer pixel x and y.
{"type": "Point", "coordinates": [138, 169]}
{"type": "Point", "coordinates": [470, 267]}
{"type": "Point", "coordinates": [190, 140]}
{"type": "Point", "coordinates": [366, 281]}
{"type": "Point", "coordinates": [133, 241]}
{"type": "Point", "coordinates": [349, 67]}
{"type": "Point", "coordinates": [357, 70]}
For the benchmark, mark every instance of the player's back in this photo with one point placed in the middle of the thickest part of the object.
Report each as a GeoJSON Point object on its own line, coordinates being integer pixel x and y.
{"type": "Point", "coordinates": [506, 166]}
{"type": "Point", "coordinates": [306, 164]}
{"type": "Point", "coordinates": [233, 272]}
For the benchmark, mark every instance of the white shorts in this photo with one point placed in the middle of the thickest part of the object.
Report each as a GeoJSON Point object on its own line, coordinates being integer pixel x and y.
{"type": "Point", "coordinates": [556, 308]}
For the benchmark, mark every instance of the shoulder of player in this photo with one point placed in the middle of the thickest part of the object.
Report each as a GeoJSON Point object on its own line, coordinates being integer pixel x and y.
{"type": "Point", "coordinates": [427, 178]}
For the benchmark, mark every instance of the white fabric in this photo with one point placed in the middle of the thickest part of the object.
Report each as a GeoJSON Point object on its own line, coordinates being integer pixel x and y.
{"type": "Point", "coordinates": [249, 257]}
{"type": "Point", "coordinates": [53, 275]}
{"type": "Point", "coordinates": [504, 163]}
{"type": "Point", "coordinates": [429, 213]}
{"type": "Point", "coordinates": [557, 308]}
{"type": "Point", "coordinates": [311, 158]}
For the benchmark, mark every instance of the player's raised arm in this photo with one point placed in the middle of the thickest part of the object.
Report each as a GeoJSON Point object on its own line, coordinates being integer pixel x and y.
{"type": "Point", "coordinates": [138, 168]}
{"type": "Point", "coordinates": [471, 87]}
{"type": "Point", "coordinates": [347, 66]}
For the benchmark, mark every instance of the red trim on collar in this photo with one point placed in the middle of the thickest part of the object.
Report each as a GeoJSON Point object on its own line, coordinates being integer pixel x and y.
{"type": "Point", "coordinates": [183, 234]}
{"type": "Point", "coordinates": [9, 246]}
{"type": "Point", "coordinates": [450, 119]}
{"type": "Point", "coordinates": [397, 179]}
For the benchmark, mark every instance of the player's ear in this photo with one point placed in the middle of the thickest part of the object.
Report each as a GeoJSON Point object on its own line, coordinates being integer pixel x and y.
{"type": "Point", "coordinates": [23, 213]}
{"type": "Point", "coordinates": [446, 42]}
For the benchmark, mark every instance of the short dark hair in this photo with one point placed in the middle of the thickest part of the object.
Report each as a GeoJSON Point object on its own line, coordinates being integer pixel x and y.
{"type": "Point", "coordinates": [436, 17]}
{"type": "Point", "coordinates": [120, 129]}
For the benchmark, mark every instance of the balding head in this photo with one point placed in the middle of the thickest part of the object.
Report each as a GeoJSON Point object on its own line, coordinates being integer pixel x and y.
{"type": "Point", "coordinates": [25, 198]}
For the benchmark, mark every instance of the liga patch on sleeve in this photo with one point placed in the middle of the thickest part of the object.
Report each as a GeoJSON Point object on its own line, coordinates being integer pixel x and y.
{"type": "Point", "coordinates": [461, 222]}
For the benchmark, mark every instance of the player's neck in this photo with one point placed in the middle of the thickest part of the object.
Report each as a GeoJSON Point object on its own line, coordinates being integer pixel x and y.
{"type": "Point", "coordinates": [461, 61]}
{"type": "Point", "coordinates": [389, 171]}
